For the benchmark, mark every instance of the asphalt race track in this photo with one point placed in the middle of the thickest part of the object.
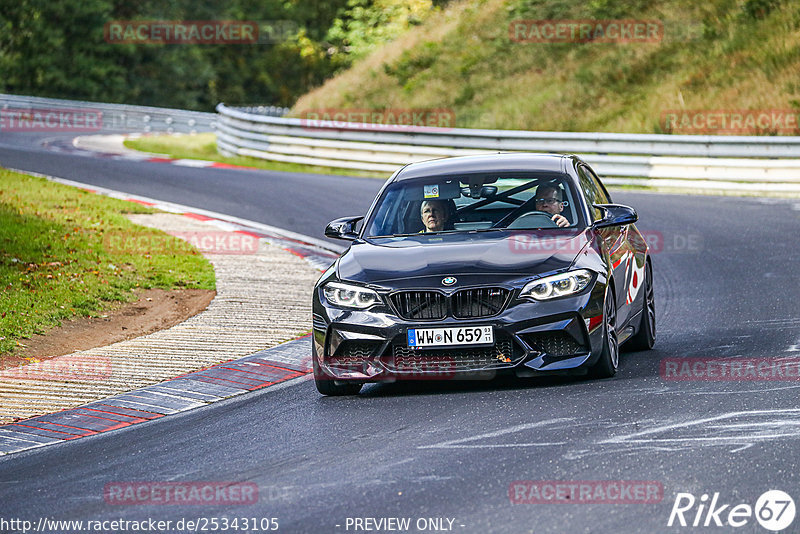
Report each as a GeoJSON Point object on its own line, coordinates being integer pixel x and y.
{"type": "Point", "coordinates": [295, 201]}
{"type": "Point", "coordinates": [726, 286]}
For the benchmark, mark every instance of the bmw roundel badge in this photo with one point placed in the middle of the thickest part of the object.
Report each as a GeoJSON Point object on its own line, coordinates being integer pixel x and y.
{"type": "Point", "coordinates": [449, 280]}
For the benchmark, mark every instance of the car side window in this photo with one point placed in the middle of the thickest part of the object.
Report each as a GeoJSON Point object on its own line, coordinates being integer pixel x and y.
{"type": "Point", "coordinates": [602, 194]}
{"type": "Point", "coordinates": [593, 194]}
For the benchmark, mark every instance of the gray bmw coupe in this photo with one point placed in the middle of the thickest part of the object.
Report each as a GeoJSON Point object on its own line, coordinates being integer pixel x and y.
{"type": "Point", "coordinates": [465, 267]}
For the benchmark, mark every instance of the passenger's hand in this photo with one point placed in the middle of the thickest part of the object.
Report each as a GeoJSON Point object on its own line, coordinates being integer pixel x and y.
{"type": "Point", "coordinates": [560, 220]}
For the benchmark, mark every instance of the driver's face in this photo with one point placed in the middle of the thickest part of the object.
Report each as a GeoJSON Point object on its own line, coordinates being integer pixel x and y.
{"type": "Point", "coordinates": [549, 201]}
{"type": "Point", "coordinates": [434, 215]}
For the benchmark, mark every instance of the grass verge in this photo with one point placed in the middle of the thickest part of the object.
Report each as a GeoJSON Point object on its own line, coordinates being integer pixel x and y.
{"type": "Point", "coordinates": [716, 55]}
{"type": "Point", "coordinates": [204, 146]}
{"type": "Point", "coordinates": [55, 263]}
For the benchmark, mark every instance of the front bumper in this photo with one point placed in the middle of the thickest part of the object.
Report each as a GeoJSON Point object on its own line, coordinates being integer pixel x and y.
{"type": "Point", "coordinates": [531, 338]}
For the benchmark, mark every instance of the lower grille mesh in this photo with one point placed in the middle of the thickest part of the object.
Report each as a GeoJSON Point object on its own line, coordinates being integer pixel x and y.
{"type": "Point", "coordinates": [554, 343]}
{"type": "Point", "coordinates": [405, 360]}
{"type": "Point", "coordinates": [352, 353]}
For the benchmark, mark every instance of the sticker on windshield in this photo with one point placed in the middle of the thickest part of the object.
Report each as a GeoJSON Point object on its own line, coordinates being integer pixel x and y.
{"type": "Point", "coordinates": [431, 191]}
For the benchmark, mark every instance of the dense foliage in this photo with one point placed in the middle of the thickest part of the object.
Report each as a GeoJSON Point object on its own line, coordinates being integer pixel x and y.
{"type": "Point", "coordinates": [719, 55]}
{"type": "Point", "coordinates": [59, 49]}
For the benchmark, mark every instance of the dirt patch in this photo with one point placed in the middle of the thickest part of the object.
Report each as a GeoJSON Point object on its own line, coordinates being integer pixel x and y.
{"type": "Point", "coordinates": [155, 310]}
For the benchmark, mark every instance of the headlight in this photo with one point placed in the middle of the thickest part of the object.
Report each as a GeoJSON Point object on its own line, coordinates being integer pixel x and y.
{"type": "Point", "coordinates": [557, 285]}
{"type": "Point", "coordinates": [347, 296]}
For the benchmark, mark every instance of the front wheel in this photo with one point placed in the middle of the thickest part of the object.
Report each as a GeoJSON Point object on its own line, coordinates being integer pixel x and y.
{"type": "Point", "coordinates": [607, 364]}
{"type": "Point", "coordinates": [327, 386]}
{"type": "Point", "coordinates": [645, 338]}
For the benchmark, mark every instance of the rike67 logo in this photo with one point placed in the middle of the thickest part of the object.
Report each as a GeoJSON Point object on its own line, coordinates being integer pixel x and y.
{"type": "Point", "coordinates": [774, 510]}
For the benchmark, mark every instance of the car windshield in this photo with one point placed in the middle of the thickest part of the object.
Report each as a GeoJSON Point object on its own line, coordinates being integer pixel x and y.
{"type": "Point", "coordinates": [470, 203]}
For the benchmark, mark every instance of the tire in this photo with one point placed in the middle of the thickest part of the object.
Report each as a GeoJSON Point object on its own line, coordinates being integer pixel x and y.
{"type": "Point", "coordinates": [327, 386]}
{"type": "Point", "coordinates": [645, 338]}
{"type": "Point", "coordinates": [607, 364]}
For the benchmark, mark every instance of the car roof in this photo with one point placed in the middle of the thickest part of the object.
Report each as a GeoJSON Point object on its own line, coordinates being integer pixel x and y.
{"type": "Point", "coordinates": [502, 162]}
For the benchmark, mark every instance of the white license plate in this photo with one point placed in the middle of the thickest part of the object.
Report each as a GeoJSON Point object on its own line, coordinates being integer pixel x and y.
{"type": "Point", "coordinates": [448, 337]}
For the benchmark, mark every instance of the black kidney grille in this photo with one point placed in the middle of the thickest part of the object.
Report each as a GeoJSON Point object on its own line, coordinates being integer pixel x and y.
{"type": "Point", "coordinates": [479, 302]}
{"type": "Point", "coordinates": [420, 304]}
{"type": "Point", "coordinates": [465, 304]}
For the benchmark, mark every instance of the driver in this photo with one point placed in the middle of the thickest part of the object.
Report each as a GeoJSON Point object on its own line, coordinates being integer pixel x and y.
{"type": "Point", "coordinates": [435, 215]}
{"type": "Point", "coordinates": [548, 200]}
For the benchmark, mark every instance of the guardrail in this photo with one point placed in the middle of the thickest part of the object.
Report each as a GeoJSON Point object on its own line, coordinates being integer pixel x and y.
{"type": "Point", "coordinates": [684, 161]}
{"type": "Point", "coordinates": [271, 111]}
{"type": "Point", "coordinates": [117, 117]}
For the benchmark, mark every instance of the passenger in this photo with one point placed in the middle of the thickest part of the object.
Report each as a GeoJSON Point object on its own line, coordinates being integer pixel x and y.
{"type": "Point", "coordinates": [548, 200]}
{"type": "Point", "coordinates": [436, 215]}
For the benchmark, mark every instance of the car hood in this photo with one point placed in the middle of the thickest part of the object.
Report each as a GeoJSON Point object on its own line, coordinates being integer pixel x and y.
{"type": "Point", "coordinates": [473, 258]}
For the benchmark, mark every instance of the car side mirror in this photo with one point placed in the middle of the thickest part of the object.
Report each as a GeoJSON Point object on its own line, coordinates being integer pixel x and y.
{"type": "Point", "coordinates": [344, 228]}
{"type": "Point", "coordinates": [615, 215]}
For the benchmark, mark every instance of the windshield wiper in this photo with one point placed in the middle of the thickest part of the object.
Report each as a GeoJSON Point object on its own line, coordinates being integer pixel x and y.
{"type": "Point", "coordinates": [417, 234]}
